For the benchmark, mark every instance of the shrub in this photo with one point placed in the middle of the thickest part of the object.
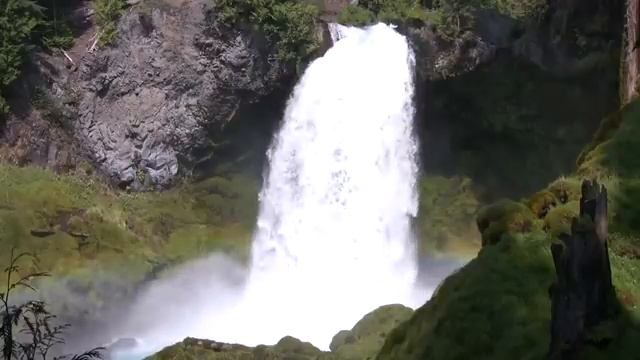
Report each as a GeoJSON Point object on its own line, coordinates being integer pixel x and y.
{"type": "Point", "coordinates": [388, 11]}
{"type": "Point", "coordinates": [18, 20]}
{"type": "Point", "coordinates": [521, 9]}
{"type": "Point", "coordinates": [289, 24]}
{"type": "Point", "coordinates": [107, 14]}
{"type": "Point", "coordinates": [356, 15]}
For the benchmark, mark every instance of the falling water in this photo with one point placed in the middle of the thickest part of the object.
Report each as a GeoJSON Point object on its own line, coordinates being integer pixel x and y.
{"type": "Point", "coordinates": [333, 238]}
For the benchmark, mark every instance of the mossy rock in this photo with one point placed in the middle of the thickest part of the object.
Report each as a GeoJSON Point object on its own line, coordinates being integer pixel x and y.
{"type": "Point", "coordinates": [288, 348]}
{"type": "Point", "coordinates": [566, 189]}
{"type": "Point", "coordinates": [505, 217]}
{"type": "Point", "coordinates": [541, 202]}
{"type": "Point", "coordinates": [366, 338]}
{"type": "Point", "coordinates": [93, 229]}
{"type": "Point", "coordinates": [497, 308]}
{"type": "Point", "coordinates": [558, 220]}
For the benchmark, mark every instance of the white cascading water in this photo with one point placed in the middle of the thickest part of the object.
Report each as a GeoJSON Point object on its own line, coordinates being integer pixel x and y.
{"type": "Point", "coordinates": [333, 238]}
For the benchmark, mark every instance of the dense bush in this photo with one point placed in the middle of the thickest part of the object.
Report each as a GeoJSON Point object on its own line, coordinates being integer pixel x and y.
{"type": "Point", "coordinates": [107, 14]}
{"type": "Point", "coordinates": [388, 11]}
{"type": "Point", "coordinates": [25, 23]}
{"type": "Point", "coordinates": [18, 21]}
{"type": "Point", "coordinates": [288, 23]}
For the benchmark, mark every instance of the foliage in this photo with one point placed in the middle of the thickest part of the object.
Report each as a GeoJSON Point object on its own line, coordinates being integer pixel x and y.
{"type": "Point", "coordinates": [18, 21]}
{"type": "Point", "coordinates": [497, 307]}
{"type": "Point", "coordinates": [387, 11]}
{"type": "Point", "coordinates": [28, 330]}
{"type": "Point", "coordinates": [356, 15]}
{"type": "Point", "coordinates": [107, 13]}
{"type": "Point", "coordinates": [520, 9]}
{"type": "Point", "coordinates": [456, 16]}
{"type": "Point", "coordinates": [290, 24]}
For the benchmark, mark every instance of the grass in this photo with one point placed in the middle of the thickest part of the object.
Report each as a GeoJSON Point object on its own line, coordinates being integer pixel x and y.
{"type": "Point", "coordinates": [94, 227]}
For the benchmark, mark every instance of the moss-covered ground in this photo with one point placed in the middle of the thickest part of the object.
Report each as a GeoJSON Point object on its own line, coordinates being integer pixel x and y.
{"type": "Point", "coordinates": [497, 307]}
{"type": "Point", "coordinates": [77, 228]}
{"type": "Point", "coordinates": [446, 217]}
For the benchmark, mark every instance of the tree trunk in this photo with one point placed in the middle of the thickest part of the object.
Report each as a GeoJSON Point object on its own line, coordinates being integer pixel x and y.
{"type": "Point", "coordinates": [581, 297]}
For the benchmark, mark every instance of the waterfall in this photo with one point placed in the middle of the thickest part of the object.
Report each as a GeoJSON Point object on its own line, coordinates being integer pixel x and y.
{"type": "Point", "coordinates": [333, 238]}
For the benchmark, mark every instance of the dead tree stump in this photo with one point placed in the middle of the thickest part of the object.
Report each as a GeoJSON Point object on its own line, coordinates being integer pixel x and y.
{"type": "Point", "coordinates": [582, 296]}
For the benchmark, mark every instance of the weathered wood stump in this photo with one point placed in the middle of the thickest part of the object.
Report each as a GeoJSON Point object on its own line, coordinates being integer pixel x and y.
{"type": "Point", "coordinates": [582, 296]}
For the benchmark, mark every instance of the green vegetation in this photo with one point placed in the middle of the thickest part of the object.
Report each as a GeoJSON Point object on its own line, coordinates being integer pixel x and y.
{"type": "Point", "coordinates": [80, 229]}
{"type": "Point", "coordinates": [28, 330]}
{"type": "Point", "coordinates": [389, 11]}
{"type": "Point", "coordinates": [18, 21]}
{"type": "Point", "coordinates": [513, 128]}
{"type": "Point", "coordinates": [289, 24]}
{"type": "Point", "coordinates": [497, 307]}
{"type": "Point", "coordinates": [446, 216]}
{"type": "Point", "coordinates": [356, 15]}
{"type": "Point", "coordinates": [23, 24]}
{"type": "Point", "coordinates": [287, 348]}
{"type": "Point", "coordinates": [107, 14]}
{"type": "Point", "coordinates": [451, 17]}
{"type": "Point", "coordinates": [368, 335]}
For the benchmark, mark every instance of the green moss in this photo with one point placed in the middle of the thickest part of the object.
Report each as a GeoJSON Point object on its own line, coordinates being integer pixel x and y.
{"type": "Point", "coordinates": [496, 307]}
{"type": "Point", "coordinates": [446, 216]}
{"type": "Point", "coordinates": [501, 296]}
{"type": "Point", "coordinates": [368, 335]}
{"type": "Point", "coordinates": [558, 220]}
{"type": "Point", "coordinates": [504, 217]}
{"type": "Point", "coordinates": [287, 348]}
{"type": "Point", "coordinates": [92, 225]}
{"type": "Point", "coordinates": [541, 202]}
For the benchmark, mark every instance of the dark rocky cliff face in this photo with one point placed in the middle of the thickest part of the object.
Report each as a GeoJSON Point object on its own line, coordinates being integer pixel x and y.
{"type": "Point", "coordinates": [178, 94]}
{"type": "Point", "coordinates": [157, 103]}
{"type": "Point", "coordinates": [515, 98]}
{"type": "Point", "coordinates": [149, 103]}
